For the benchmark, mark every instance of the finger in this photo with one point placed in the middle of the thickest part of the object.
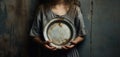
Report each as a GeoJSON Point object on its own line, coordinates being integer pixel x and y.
{"type": "Point", "coordinates": [47, 42]}
{"type": "Point", "coordinates": [50, 47]}
{"type": "Point", "coordinates": [70, 46]}
{"type": "Point", "coordinates": [47, 46]}
{"type": "Point", "coordinates": [64, 47]}
{"type": "Point", "coordinates": [54, 49]}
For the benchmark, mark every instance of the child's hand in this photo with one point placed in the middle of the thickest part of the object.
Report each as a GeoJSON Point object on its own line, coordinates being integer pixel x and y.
{"type": "Point", "coordinates": [73, 43]}
{"type": "Point", "coordinates": [47, 45]}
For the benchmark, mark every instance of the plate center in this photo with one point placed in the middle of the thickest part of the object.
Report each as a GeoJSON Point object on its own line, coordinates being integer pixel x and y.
{"type": "Point", "coordinates": [59, 33]}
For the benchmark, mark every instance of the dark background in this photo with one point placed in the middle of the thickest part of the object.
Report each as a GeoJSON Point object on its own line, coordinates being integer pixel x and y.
{"type": "Point", "coordinates": [102, 20]}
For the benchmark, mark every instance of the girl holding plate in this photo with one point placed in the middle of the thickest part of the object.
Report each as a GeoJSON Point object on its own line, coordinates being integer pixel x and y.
{"type": "Point", "coordinates": [49, 9]}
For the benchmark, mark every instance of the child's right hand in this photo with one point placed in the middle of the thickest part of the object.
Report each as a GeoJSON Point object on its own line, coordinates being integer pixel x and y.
{"type": "Point", "coordinates": [48, 46]}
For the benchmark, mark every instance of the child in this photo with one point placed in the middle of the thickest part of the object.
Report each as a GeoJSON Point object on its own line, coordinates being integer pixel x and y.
{"type": "Point", "coordinates": [63, 8]}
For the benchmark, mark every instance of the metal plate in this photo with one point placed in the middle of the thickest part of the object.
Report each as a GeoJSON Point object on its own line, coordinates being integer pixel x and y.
{"type": "Point", "coordinates": [59, 31]}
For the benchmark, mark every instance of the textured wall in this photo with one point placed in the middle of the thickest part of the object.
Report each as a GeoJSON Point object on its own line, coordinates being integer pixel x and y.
{"type": "Point", "coordinates": [106, 28]}
{"type": "Point", "coordinates": [13, 26]}
{"type": "Point", "coordinates": [101, 20]}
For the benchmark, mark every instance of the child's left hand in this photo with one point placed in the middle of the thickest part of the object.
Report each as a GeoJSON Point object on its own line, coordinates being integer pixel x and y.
{"type": "Point", "coordinates": [73, 43]}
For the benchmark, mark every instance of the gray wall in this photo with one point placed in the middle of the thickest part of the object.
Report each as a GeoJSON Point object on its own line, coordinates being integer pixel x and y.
{"type": "Point", "coordinates": [101, 20]}
{"type": "Point", "coordinates": [106, 28]}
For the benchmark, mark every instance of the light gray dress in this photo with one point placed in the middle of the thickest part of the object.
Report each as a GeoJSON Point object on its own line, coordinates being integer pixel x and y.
{"type": "Point", "coordinates": [44, 16]}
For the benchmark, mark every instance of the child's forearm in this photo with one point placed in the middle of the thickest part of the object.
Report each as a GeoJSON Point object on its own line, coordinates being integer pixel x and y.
{"type": "Point", "coordinates": [38, 40]}
{"type": "Point", "coordinates": [78, 40]}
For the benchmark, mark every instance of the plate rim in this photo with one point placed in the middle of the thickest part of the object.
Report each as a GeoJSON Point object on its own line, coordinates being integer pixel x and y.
{"type": "Point", "coordinates": [56, 19]}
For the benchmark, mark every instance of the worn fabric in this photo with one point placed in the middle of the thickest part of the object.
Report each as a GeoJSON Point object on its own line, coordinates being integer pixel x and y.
{"type": "Point", "coordinates": [45, 15]}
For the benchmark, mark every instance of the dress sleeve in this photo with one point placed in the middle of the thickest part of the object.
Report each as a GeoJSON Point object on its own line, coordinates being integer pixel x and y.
{"type": "Point", "coordinates": [79, 23]}
{"type": "Point", "coordinates": [36, 26]}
